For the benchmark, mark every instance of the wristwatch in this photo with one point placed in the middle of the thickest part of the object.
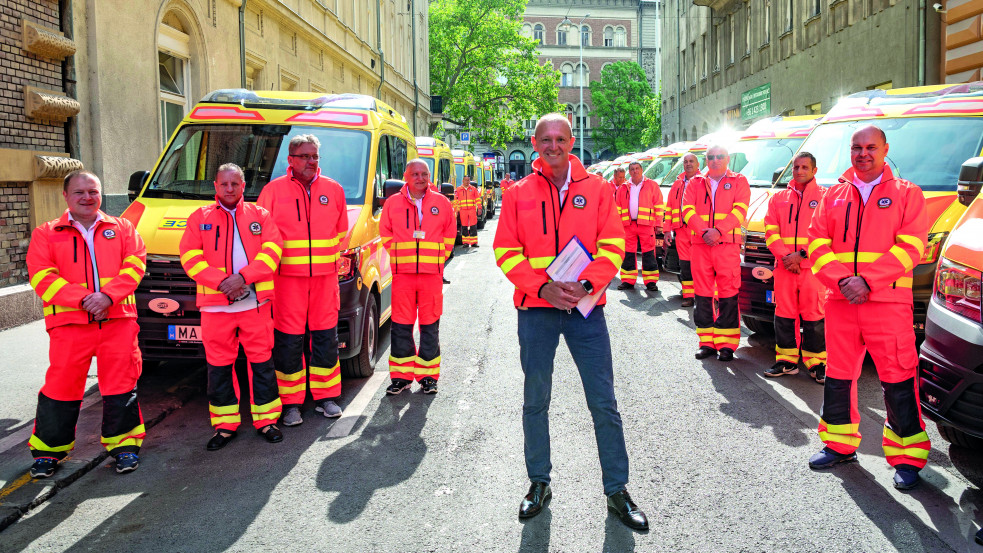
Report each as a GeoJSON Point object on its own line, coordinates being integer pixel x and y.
{"type": "Point", "coordinates": [588, 287]}
{"type": "Point", "coordinates": [804, 254]}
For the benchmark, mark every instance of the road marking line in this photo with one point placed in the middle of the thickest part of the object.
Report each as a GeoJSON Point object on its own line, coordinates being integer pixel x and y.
{"type": "Point", "coordinates": [24, 433]}
{"type": "Point", "coordinates": [355, 409]}
{"type": "Point", "coordinates": [13, 486]}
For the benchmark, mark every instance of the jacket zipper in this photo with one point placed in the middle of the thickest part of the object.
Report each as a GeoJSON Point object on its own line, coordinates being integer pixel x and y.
{"type": "Point", "coordinates": [218, 232]}
{"type": "Point", "coordinates": [856, 244]}
{"type": "Point", "coordinates": [846, 220]}
{"type": "Point", "coordinates": [544, 217]}
{"type": "Point", "coordinates": [798, 212]}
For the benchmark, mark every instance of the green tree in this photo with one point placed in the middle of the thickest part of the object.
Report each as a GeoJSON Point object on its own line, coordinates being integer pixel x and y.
{"type": "Point", "coordinates": [487, 72]}
{"type": "Point", "coordinates": [652, 119]}
{"type": "Point", "coordinates": [620, 99]}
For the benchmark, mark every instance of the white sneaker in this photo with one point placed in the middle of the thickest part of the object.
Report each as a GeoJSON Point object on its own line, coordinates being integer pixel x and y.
{"type": "Point", "coordinates": [291, 416]}
{"type": "Point", "coordinates": [328, 408]}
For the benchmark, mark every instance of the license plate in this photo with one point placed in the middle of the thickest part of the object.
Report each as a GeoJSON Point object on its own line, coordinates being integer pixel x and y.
{"type": "Point", "coordinates": [769, 296]}
{"type": "Point", "coordinates": [184, 333]}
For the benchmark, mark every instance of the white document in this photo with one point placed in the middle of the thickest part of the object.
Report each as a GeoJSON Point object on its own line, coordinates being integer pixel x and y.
{"type": "Point", "coordinates": [567, 267]}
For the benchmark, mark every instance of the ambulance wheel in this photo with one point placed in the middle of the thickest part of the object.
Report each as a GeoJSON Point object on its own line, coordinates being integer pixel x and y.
{"type": "Point", "coordinates": [481, 220]}
{"type": "Point", "coordinates": [363, 364]}
{"type": "Point", "coordinates": [959, 438]}
{"type": "Point", "coordinates": [758, 326]}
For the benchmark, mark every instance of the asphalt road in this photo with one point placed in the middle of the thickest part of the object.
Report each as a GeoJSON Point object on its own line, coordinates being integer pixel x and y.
{"type": "Point", "coordinates": [718, 455]}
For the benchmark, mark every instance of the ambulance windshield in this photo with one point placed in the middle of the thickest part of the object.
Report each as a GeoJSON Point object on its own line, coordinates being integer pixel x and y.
{"type": "Point", "coordinates": [192, 158]}
{"type": "Point", "coordinates": [758, 159]}
{"type": "Point", "coordinates": [659, 168]}
{"type": "Point", "coordinates": [927, 151]}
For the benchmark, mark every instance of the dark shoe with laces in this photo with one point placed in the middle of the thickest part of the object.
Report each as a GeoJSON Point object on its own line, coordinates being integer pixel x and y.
{"type": "Point", "coordinates": [652, 287]}
{"type": "Point", "coordinates": [979, 537]}
{"type": "Point", "coordinates": [271, 433]}
{"type": "Point", "coordinates": [629, 513]}
{"type": "Point", "coordinates": [429, 385]}
{"type": "Point", "coordinates": [687, 302]}
{"type": "Point", "coordinates": [534, 501]}
{"type": "Point", "coordinates": [445, 280]}
{"type": "Point", "coordinates": [725, 354]}
{"type": "Point", "coordinates": [705, 351]}
{"type": "Point", "coordinates": [220, 440]}
{"type": "Point", "coordinates": [781, 368]}
{"type": "Point", "coordinates": [906, 479]}
{"type": "Point", "coordinates": [127, 462]}
{"type": "Point", "coordinates": [826, 458]}
{"type": "Point", "coordinates": [818, 373]}
{"type": "Point", "coordinates": [44, 467]}
{"type": "Point", "coordinates": [626, 286]}
{"type": "Point", "coordinates": [398, 385]}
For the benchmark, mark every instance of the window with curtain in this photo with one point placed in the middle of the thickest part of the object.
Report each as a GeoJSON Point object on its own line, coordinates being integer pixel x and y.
{"type": "Point", "coordinates": [609, 36]}
{"type": "Point", "coordinates": [561, 35]}
{"type": "Point", "coordinates": [538, 32]}
{"type": "Point", "coordinates": [585, 36]}
{"type": "Point", "coordinates": [566, 74]}
{"type": "Point", "coordinates": [619, 37]}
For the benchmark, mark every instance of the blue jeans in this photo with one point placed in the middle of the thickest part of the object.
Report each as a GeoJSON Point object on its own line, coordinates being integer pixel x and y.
{"type": "Point", "coordinates": [539, 335]}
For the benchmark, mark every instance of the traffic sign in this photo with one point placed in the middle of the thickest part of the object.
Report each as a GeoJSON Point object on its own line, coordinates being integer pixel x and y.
{"type": "Point", "coordinates": [465, 137]}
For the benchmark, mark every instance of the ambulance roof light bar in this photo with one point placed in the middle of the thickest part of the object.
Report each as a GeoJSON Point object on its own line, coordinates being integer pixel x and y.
{"type": "Point", "coordinates": [289, 100]}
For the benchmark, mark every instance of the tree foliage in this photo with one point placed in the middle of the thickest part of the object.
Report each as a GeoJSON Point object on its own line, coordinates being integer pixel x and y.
{"type": "Point", "coordinates": [620, 99]}
{"type": "Point", "coordinates": [487, 72]}
{"type": "Point", "coordinates": [652, 119]}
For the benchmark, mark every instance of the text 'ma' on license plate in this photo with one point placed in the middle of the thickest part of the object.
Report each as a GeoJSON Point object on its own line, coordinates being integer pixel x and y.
{"type": "Point", "coordinates": [769, 296]}
{"type": "Point", "coordinates": [184, 333]}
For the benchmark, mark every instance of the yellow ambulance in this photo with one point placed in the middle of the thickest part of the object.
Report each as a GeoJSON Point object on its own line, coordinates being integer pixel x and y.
{"type": "Point", "coordinates": [364, 145]}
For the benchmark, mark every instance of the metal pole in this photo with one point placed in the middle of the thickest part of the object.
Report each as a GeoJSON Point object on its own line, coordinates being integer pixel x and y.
{"type": "Point", "coordinates": [580, 39]}
{"type": "Point", "coordinates": [679, 71]}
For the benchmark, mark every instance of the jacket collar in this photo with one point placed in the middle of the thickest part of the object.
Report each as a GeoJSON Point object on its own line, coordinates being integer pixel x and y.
{"type": "Point", "coordinates": [728, 174]}
{"type": "Point", "coordinates": [810, 186]}
{"type": "Point", "coordinates": [290, 173]}
{"type": "Point", "coordinates": [218, 204]}
{"type": "Point", "coordinates": [405, 192]}
{"type": "Point", "coordinates": [848, 175]}
{"type": "Point", "coordinates": [64, 221]}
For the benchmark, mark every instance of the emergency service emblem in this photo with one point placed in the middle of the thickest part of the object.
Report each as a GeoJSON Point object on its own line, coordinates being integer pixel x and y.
{"type": "Point", "coordinates": [204, 226]}
{"type": "Point", "coordinates": [255, 228]}
{"type": "Point", "coordinates": [726, 186]}
{"type": "Point", "coordinates": [323, 199]}
{"type": "Point", "coordinates": [109, 233]}
{"type": "Point", "coordinates": [579, 201]}
{"type": "Point", "coordinates": [813, 204]}
{"type": "Point", "coordinates": [884, 202]}
{"type": "Point", "coordinates": [434, 210]}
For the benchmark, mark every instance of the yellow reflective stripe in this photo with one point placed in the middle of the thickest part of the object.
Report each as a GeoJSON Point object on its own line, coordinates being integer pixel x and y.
{"type": "Point", "coordinates": [38, 276]}
{"type": "Point", "coordinates": [823, 261]}
{"type": "Point", "coordinates": [916, 452]}
{"type": "Point", "coordinates": [421, 258]}
{"type": "Point", "coordinates": [541, 262]}
{"type": "Point", "coordinates": [419, 245]}
{"type": "Point", "coordinates": [206, 290]}
{"type": "Point", "coordinates": [815, 244]}
{"type": "Point", "coordinates": [787, 351]}
{"type": "Point", "coordinates": [199, 267]}
{"type": "Point", "coordinates": [839, 438]}
{"type": "Point", "coordinates": [312, 243]}
{"type": "Point", "coordinates": [286, 390]}
{"type": "Point", "coordinates": [267, 260]}
{"type": "Point", "coordinates": [511, 263]}
{"type": "Point", "coordinates": [341, 235]}
{"type": "Point", "coordinates": [324, 371]}
{"type": "Point", "coordinates": [53, 289]}
{"type": "Point", "coordinates": [919, 438]}
{"type": "Point", "coordinates": [401, 360]}
{"type": "Point", "coordinates": [903, 257]}
{"type": "Point", "coordinates": [292, 377]}
{"type": "Point", "coordinates": [273, 246]}
{"type": "Point", "coordinates": [616, 242]}
{"type": "Point", "coordinates": [36, 443]}
{"type": "Point", "coordinates": [188, 255]}
{"type": "Point", "coordinates": [264, 285]}
{"type": "Point", "coordinates": [135, 261]}
{"type": "Point", "coordinates": [772, 238]}
{"type": "Point", "coordinates": [842, 428]}
{"type": "Point", "coordinates": [727, 331]}
{"type": "Point", "coordinates": [50, 310]}
{"type": "Point", "coordinates": [861, 257]}
{"type": "Point", "coordinates": [329, 384]}
{"type": "Point", "coordinates": [775, 228]}
{"type": "Point", "coordinates": [304, 260]}
{"type": "Point", "coordinates": [610, 256]}
{"type": "Point", "coordinates": [266, 407]}
{"type": "Point", "coordinates": [432, 363]}
{"type": "Point", "coordinates": [225, 419]}
{"type": "Point", "coordinates": [126, 436]}
{"type": "Point", "coordinates": [903, 282]}
{"type": "Point", "coordinates": [913, 240]}
{"type": "Point", "coordinates": [223, 409]}
{"type": "Point", "coordinates": [426, 371]}
{"type": "Point", "coordinates": [131, 273]}
{"type": "Point", "coordinates": [793, 239]}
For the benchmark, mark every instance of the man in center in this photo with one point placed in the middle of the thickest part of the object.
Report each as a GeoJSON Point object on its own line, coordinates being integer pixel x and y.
{"type": "Point", "coordinates": [639, 203]}
{"type": "Point", "coordinates": [542, 213]}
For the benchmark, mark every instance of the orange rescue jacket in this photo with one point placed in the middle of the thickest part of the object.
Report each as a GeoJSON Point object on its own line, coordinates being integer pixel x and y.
{"type": "Point", "coordinates": [674, 203]}
{"type": "Point", "coordinates": [60, 268]}
{"type": "Point", "coordinates": [206, 250]}
{"type": "Point", "coordinates": [466, 202]}
{"type": "Point", "coordinates": [724, 211]}
{"type": "Point", "coordinates": [650, 208]}
{"type": "Point", "coordinates": [788, 218]}
{"type": "Point", "coordinates": [534, 226]}
{"type": "Point", "coordinates": [312, 226]}
{"type": "Point", "coordinates": [423, 253]}
{"type": "Point", "coordinates": [881, 240]}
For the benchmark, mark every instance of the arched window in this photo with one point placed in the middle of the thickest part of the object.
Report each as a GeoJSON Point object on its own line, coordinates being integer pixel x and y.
{"type": "Point", "coordinates": [538, 33]}
{"type": "Point", "coordinates": [588, 158]}
{"type": "Point", "coordinates": [582, 119]}
{"type": "Point", "coordinates": [517, 155]}
{"type": "Point", "coordinates": [569, 113]}
{"type": "Point", "coordinates": [620, 37]}
{"type": "Point", "coordinates": [174, 72]}
{"type": "Point", "coordinates": [609, 36]}
{"type": "Point", "coordinates": [566, 74]}
{"type": "Point", "coordinates": [561, 35]}
{"type": "Point", "coordinates": [581, 75]}
{"type": "Point", "coordinates": [585, 36]}
{"type": "Point", "coordinates": [684, 136]}
{"type": "Point", "coordinates": [694, 133]}
{"type": "Point", "coordinates": [527, 30]}
{"type": "Point", "coordinates": [747, 29]}
{"type": "Point", "coordinates": [534, 156]}
{"type": "Point", "coordinates": [705, 128]}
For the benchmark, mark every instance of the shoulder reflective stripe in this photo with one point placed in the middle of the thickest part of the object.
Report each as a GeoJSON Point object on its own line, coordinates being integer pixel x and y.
{"type": "Point", "coordinates": [189, 255]}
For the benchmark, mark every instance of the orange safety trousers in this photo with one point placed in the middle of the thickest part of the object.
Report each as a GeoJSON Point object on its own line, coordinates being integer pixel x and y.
{"type": "Point", "coordinates": [639, 237]}
{"type": "Point", "coordinates": [221, 335]}
{"type": "Point", "coordinates": [718, 266]}
{"type": "Point", "coordinates": [799, 304]}
{"type": "Point", "coordinates": [306, 303]}
{"type": "Point", "coordinates": [113, 343]}
{"type": "Point", "coordinates": [884, 329]}
{"type": "Point", "coordinates": [416, 297]}
{"type": "Point", "coordinates": [684, 245]}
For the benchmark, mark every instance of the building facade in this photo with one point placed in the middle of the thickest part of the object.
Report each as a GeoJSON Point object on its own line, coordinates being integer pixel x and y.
{"type": "Point", "coordinates": [604, 31]}
{"type": "Point", "coordinates": [727, 63]}
{"type": "Point", "coordinates": [103, 83]}
{"type": "Point", "coordinates": [962, 40]}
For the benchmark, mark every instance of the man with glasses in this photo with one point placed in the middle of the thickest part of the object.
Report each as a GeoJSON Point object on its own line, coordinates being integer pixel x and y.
{"type": "Point", "coordinates": [309, 210]}
{"type": "Point", "coordinates": [714, 208]}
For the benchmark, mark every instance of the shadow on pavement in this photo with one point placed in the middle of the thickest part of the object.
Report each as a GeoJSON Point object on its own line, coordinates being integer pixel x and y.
{"type": "Point", "coordinates": [536, 533]}
{"type": "Point", "coordinates": [618, 538]}
{"type": "Point", "coordinates": [387, 452]}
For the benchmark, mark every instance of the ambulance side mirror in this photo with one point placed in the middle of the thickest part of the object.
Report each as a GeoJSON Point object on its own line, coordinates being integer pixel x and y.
{"type": "Point", "coordinates": [447, 189]}
{"type": "Point", "coordinates": [391, 188]}
{"type": "Point", "coordinates": [777, 175]}
{"type": "Point", "coordinates": [137, 181]}
{"type": "Point", "coordinates": [970, 180]}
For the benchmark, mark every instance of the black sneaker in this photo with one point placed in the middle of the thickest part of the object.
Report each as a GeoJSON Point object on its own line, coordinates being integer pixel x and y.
{"type": "Point", "coordinates": [626, 286]}
{"type": "Point", "coordinates": [127, 462]}
{"type": "Point", "coordinates": [398, 385]}
{"type": "Point", "coordinates": [819, 373]}
{"type": "Point", "coordinates": [652, 287]}
{"type": "Point", "coordinates": [781, 368]}
{"type": "Point", "coordinates": [44, 467]}
{"type": "Point", "coordinates": [429, 385]}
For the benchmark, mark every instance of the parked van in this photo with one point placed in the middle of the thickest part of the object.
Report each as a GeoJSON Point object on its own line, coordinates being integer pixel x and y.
{"type": "Point", "coordinates": [932, 131]}
{"type": "Point", "coordinates": [364, 144]}
{"type": "Point", "coordinates": [950, 368]}
{"type": "Point", "coordinates": [493, 191]}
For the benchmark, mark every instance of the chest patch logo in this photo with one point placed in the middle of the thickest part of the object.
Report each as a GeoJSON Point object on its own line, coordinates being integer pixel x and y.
{"type": "Point", "coordinates": [434, 210]}
{"type": "Point", "coordinates": [813, 204]}
{"type": "Point", "coordinates": [205, 227]}
{"type": "Point", "coordinates": [109, 233]}
{"type": "Point", "coordinates": [323, 199]}
{"type": "Point", "coordinates": [255, 228]}
{"type": "Point", "coordinates": [884, 203]}
{"type": "Point", "coordinates": [579, 201]}
{"type": "Point", "coordinates": [726, 186]}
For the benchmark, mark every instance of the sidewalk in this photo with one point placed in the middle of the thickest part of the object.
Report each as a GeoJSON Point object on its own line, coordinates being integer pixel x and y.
{"type": "Point", "coordinates": [22, 374]}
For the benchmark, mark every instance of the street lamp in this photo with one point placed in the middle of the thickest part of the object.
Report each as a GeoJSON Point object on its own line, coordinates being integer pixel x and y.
{"type": "Point", "coordinates": [580, 69]}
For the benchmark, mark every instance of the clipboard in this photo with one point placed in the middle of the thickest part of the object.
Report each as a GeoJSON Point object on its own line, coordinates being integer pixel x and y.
{"type": "Point", "coordinates": [567, 267]}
